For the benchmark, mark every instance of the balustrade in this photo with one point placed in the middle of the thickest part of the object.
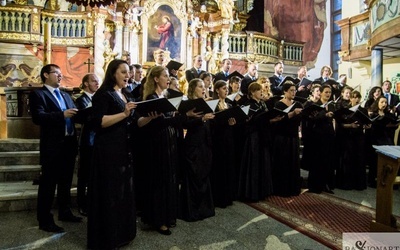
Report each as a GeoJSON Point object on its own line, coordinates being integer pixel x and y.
{"type": "Point", "coordinates": [67, 26]}
{"type": "Point", "coordinates": [15, 20]}
{"type": "Point", "coordinates": [261, 46]}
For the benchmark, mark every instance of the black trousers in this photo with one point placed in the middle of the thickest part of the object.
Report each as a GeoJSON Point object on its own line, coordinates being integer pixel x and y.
{"type": "Point", "coordinates": [57, 171]}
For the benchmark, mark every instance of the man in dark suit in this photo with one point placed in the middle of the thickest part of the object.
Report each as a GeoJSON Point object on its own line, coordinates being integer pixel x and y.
{"type": "Point", "coordinates": [53, 111]}
{"type": "Point", "coordinates": [326, 78]}
{"type": "Point", "coordinates": [196, 71]}
{"type": "Point", "coordinates": [224, 73]}
{"type": "Point", "coordinates": [90, 84]}
{"type": "Point", "coordinates": [392, 99]}
{"type": "Point", "coordinates": [135, 81]}
{"type": "Point", "coordinates": [304, 85]}
{"type": "Point", "coordinates": [326, 73]}
{"type": "Point", "coordinates": [249, 77]}
{"type": "Point", "coordinates": [276, 79]}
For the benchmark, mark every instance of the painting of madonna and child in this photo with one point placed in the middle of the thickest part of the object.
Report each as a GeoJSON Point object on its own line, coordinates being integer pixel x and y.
{"type": "Point", "coordinates": [164, 32]}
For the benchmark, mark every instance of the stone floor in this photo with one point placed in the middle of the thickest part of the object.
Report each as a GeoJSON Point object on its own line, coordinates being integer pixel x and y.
{"type": "Point", "coordinates": [236, 227]}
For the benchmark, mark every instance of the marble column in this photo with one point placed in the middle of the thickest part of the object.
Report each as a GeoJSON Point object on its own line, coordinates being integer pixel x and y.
{"type": "Point", "coordinates": [376, 67]}
{"type": "Point", "coordinates": [125, 37]}
{"type": "Point", "coordinates": [225, 43]}
{"type": "Point", "coordinates": [134, 44]}
{"type": "Point", "coordinates": [118, 39]}
{"type": "Point", "coordinates": [99, 46]}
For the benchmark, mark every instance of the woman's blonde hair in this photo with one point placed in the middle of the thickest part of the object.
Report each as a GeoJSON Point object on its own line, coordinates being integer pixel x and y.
{"type": "Point", "coordinates": [150, 85]}
{"type": "Point", "coordinates": [192, 87]}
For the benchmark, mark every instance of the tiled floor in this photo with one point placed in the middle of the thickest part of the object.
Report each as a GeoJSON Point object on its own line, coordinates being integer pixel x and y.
{"type": "Point", "coordinates": [236, 227]}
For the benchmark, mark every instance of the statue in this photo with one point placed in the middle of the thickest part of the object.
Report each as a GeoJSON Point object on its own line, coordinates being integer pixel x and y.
{"type": "Point", "coordinates": [132, 15]}
{"type": "Point", "coordinates": [226, 7]}
{"type": "Point", "coordinates": [195, 26]}
{"type": "Point", "coordinates": [211, 57]}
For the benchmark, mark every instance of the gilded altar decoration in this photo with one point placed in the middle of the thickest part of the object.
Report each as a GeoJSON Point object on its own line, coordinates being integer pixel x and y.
{"type": "Point", "coordinates": [92, 3]}
{"type": "Point", "coordinates": [21, 2]}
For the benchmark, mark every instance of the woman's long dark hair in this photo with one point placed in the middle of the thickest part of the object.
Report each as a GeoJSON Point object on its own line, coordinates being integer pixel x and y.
{"type": "Point", "coordinates": [109, 80]}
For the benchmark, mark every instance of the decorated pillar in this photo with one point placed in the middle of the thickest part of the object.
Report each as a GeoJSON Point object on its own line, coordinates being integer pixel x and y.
{"type": "Point", "coordinates": [225, 43]}
{"type": "Point", "coordinates": [118, 38]}
{"type": "Point", "coordinates": [203, 42]}
{"type": "Point", "coordinates": [99, 45]}
{"type": "Point", "coordinates": [134, 44]}
{"type": "Point", "coordinates": [47, 42]}
{"type": "Point", "coordinates": [189, 49]}
{"type": "Point", "coordinates": [126, 36]}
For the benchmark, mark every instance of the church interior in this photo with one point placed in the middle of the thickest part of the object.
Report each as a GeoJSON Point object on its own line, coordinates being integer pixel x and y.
{"type": "Point", "coordinates": [359, 39]}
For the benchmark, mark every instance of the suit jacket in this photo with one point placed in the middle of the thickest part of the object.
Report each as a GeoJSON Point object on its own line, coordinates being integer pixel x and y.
{"type": "Point", "coordinates": [321, 80]}
{"type": "Point", "coordinates": [192, 73]}
{"type": "Point", "coordinates": [275, 88]}
{"type": "Point", "coordinates": [47, 113]}
{"type": "Point", "coordinates": [394, 100]}
{"type": "Point", "coordinates": [221, 76]}
{"type": "Point", "coordinates": [83, 102]}
{"type": "Point", "coordinates": [244, 85]}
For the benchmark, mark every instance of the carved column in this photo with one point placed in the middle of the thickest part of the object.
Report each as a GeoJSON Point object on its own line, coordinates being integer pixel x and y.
{"type": "Point", "coordinates": [47, 43]}
{"type": "Point", "coordinates": [134, 44]}
{"type": "Point", "coordinates": [99, 45]}
{"type": "Point", "coordinates": [126, 37]}
{"type": "Point", "coordinates": [189, 47]}
{"type": "Point", "coordinates": [224, 43]}
{"type": "Point", "coordinates": [118, 39]}
{"type": "Point", "coordinates": [216, 41]}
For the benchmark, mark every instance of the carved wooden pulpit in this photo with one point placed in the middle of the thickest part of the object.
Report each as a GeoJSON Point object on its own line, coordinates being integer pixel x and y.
{"type": "Point", "coordinates": [388, 166]}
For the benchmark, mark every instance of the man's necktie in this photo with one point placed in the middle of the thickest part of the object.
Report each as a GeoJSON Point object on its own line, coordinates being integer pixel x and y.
{"type": "Point", "coordinates": [325, 79]}
{"type": "Point", "coordinates": [387, 96]}
{"type": "Point", "coordinates": [63, 106]}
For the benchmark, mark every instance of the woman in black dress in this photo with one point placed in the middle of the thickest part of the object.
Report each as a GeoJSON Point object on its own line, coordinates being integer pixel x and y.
{"type": "Point", "coordinates": [286, 160]}
{"type": "Point", "coordinates": [321, 173]}
{"type": "Point", "coordinates": [234, 88]}
{"type": "Point", "coordinates": [111, 215]}
{"type": "Point", "coordinates": [373, 94]}
{"type": "Point", "coordinates": [351, 172]}
{"type": "Point", "coordinates": [208, 84]}
{"type": "Point", "coordinates": [160, 178]}
{"type": "Point", "coordinates": [379, 134]}
{"type": "Point", "coordinates": [307, 128]}
{"type": "Point", "coordinates": [196, 198]}
{"type": "Point", "coordinates": [255, 178]}
{"type": "Point", "coordinates": [223, 174]}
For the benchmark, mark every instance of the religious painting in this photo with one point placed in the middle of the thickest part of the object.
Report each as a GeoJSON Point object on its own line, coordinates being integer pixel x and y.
{"type": "Point", "coordinates": [164, 32]}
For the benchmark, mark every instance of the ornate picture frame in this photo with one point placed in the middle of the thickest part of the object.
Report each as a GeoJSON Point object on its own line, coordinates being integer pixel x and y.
{"type": "Point", "coordinates": [154, 18]}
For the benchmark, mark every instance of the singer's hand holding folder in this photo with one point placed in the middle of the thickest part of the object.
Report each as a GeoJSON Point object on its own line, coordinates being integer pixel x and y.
{"type": "Point", "coordinates": [199, 105]}
{"type": "Point", "coordinates": [159, 105]}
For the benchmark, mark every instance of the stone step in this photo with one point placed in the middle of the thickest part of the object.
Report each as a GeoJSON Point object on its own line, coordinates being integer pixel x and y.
{"type": "Point", "coordinates": [14, 144]}
{"type": "Point", "coordinates": [19, 158]}
{"type": "Point", "coordinates": [22, 196]}
{"type": "Point", "coordinates": [19, 173]}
